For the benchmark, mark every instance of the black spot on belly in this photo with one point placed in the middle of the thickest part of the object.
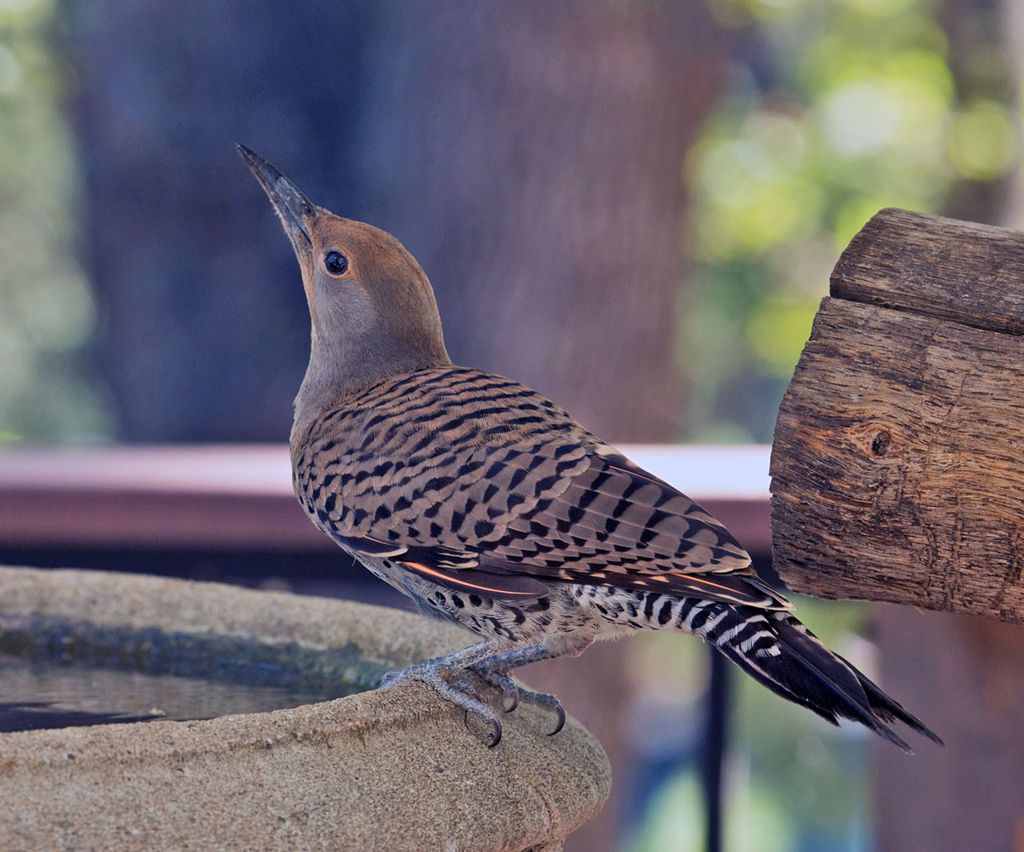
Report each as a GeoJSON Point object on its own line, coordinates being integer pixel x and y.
{"type": "Point", "coordinates": [665, 613]}
{"type": "Point", "coordinates": [457, 601]}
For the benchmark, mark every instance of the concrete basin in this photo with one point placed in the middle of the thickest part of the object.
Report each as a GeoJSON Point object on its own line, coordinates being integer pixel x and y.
{"type": "Point", "coordinates": [390, 770]}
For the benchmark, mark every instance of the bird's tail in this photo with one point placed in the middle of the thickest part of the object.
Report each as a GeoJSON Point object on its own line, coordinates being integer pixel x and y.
{"type": "Point", "coordinates": [777, 650]}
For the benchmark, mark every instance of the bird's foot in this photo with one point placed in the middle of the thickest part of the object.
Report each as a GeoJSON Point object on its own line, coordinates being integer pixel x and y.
{"type": "Point", "coordinates": [510, 692]}
{"type": "Point", "coordinates": [513, 695]}
{"type": "Point", "coordinates": [451, 684]}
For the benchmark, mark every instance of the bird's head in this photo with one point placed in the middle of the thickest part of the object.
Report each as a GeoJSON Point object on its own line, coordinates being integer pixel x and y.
{"type": "Point", "coordinates": [372, 307]}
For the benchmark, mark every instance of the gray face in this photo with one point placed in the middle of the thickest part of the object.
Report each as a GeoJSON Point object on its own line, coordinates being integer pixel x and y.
{"type": "Point", "coordinates": [372, 308]}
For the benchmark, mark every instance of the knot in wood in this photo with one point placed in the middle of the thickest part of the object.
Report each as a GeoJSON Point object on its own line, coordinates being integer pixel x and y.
{"type": "Point", "coordinates": [880, 443]}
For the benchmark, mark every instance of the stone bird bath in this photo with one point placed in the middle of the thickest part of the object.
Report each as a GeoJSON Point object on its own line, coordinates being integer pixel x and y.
{"type": "Point", "coordinates": [375, 770]}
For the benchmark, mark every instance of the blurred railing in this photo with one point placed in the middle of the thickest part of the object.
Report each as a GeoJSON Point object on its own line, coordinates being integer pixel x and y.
{"type": "Point", "coordinates": [230, 496]}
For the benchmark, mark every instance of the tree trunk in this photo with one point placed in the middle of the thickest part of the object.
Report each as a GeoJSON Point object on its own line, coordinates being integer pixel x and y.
{"type": "Point", "coordinates": [203, 326]}
{"type": "Point", "coordinates": [529, 154]}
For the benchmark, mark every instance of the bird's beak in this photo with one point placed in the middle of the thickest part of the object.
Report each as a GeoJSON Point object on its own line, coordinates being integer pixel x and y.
{"type": "Point", "coordinates": [293, 208]}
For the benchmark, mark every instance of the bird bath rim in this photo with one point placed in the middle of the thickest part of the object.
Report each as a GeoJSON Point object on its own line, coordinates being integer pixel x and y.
{"type": "Point", "coordinates": [379, 769]}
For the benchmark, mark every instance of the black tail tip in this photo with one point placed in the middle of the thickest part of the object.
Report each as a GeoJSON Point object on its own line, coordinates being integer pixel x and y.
{"type": "Point", "coordinates": [916, 725]}
{"type": "Point", "coordinates": [888, 710]}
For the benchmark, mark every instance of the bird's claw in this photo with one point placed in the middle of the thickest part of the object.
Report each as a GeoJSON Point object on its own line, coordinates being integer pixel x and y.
{"type": "Point", "coordinates": [454, 685]}
{"type": "Point", "coordinates": [451, 684]}
{"type": "Point", "coordinates": [507, 686]}
{"type": "Point", "coordinates": [493, 722]}
{"type": "Point", "coordinates": [547, 702]}
{"type": "Point", "coordinates": [560, 723]}
{"type": "Point", "coordinates": [514, 695]}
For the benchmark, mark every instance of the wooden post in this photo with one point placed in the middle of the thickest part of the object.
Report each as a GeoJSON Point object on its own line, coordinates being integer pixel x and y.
{"type": "Point", "coordinates": [898, 475]}
{"type": "Point", "coordinates": [898, 464]}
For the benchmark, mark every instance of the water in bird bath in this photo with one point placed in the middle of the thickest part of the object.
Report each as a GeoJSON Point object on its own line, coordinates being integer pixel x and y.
{"type": "Point", "coordinates": [61, 674]}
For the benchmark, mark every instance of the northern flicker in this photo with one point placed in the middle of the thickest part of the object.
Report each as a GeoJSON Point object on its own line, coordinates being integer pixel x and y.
{"type": "Point", "coordinates": [490, 506]}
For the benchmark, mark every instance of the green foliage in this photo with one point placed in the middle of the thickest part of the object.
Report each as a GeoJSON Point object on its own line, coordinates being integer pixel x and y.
{"type": "Point", "coordinates": [48, 313]}
{"type": "Point", "coordinates": [849, 106]}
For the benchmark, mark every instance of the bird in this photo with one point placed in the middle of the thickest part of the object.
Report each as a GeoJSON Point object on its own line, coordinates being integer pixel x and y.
{"type": "Point", "coordinates": [490, 506]}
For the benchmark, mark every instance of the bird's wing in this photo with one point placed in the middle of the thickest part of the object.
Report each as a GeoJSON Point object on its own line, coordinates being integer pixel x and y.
{"type": "Point", "coordinates": [509, 492]}
{"type": "Point", "coordinates": [454, 569]}
{"type": "Point", "coordinates": [616, 524]}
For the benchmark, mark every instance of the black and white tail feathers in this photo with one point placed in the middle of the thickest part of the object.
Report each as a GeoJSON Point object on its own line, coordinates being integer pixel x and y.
{"type": "Point", "coordinates": [783, 655]}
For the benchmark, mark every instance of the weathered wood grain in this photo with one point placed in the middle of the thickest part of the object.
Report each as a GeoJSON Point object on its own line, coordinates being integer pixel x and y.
{"type": "Point", "coordinates": [898, 463]}
{"type": "Point", "coordinates": [969, 273]}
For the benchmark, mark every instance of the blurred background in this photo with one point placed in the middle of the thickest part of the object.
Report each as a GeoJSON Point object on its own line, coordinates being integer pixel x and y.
{"type": "Point", "coordinates": [632, 205]}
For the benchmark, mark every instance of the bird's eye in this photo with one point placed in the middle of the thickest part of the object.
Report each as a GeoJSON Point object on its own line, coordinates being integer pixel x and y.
{"type": "Point", "coordinates": [335, 263]}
